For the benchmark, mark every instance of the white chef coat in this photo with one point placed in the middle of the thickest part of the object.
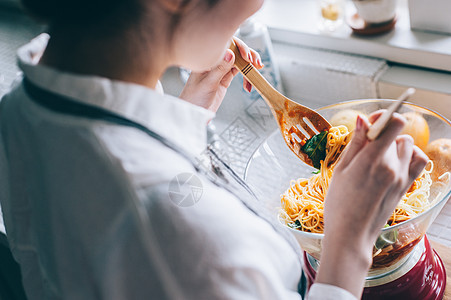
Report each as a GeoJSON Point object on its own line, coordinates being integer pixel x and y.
{"type": "Point", "coordinates": [67, 185]}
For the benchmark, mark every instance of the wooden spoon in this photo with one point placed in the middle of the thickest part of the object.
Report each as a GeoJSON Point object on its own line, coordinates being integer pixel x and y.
{"type": "Point", "coordinates": [297, 123]}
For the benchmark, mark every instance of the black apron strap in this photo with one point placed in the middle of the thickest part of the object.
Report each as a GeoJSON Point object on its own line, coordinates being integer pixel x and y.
{"type": "Point", "coordinates": [216, 170]}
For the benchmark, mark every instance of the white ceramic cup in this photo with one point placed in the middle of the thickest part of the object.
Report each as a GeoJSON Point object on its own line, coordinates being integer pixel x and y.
{"type": "Point", "coordinates": [376, 11]}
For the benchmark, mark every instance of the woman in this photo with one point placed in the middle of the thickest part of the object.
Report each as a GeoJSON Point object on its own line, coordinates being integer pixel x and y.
{"type": "Point", "coordinates": [89, 147]}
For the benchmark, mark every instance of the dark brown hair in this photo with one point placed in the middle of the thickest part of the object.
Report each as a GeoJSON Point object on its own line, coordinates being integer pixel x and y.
{"type": "Point", "coordinates": [89, 12]}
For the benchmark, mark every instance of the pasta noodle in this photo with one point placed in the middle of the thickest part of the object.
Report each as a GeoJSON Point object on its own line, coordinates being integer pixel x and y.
{"type": "Point", "coordinates": [303, 202]}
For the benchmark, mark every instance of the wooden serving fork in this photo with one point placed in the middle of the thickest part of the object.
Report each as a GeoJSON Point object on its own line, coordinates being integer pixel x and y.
{"type": "Point", "coordinates": [297, 123]}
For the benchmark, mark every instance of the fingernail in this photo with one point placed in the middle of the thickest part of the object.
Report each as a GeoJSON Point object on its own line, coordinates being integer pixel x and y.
{"type": "Point", "coordinates": [359, 123]}
{"type": "Point", "coordinates": [228, 56]}
{"type": "Point", "coordinates": [249, 87]}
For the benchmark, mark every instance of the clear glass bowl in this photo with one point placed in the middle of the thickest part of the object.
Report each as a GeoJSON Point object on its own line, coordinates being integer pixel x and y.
{"type": "Point", "coordinates": [273, 166]}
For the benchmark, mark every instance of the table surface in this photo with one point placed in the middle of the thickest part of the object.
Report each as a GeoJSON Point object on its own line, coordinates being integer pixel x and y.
{"type": "Point", "coordinates": [445, 254]}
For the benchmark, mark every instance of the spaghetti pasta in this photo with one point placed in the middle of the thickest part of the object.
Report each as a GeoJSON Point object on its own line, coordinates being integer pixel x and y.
{"type": "Point", "coordinates": [303, 202]}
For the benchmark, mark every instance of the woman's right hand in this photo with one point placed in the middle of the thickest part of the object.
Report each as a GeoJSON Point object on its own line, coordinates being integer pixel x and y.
{"type": "Point", "coordinates": [207, 89]}
{"type": "Point", "coordinates": [368, 182]}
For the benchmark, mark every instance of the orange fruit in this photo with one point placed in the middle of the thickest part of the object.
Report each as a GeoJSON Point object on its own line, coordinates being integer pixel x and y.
{"type": "Point", "coordinates": [418, 128]}
{"type": "Point", "coordinates": [439, 151]}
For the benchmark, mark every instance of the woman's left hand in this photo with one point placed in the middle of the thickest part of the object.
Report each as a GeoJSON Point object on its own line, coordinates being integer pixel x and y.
{"type": "Point", "coordinates": [368, 181]}
{"type": "Point", "coordinates": [207, 89]}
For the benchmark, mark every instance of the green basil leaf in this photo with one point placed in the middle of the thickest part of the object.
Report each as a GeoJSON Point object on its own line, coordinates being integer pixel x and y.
{"type": "Point", "coordinates": [315, 148]}
{"type": "Point", "coordinates": [295, 225]}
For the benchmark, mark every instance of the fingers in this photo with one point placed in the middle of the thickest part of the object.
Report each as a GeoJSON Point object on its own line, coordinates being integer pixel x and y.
{"type": "Point", "coordinates": [244, 49]}
{"type": "Point", "coordinates": [375, 115]}
{"type": "Point", "coordinates": [227, 79]}
{"type": "Point", "coordinates": [256, 59]}
{"type": "Point", "coordinates": [411, 163]}
{"type": "Point", "coordinates": [247, 85]}
{"type": "Point", "coordinates": [404, 149]}
{"type": "Point", "coordinates": [411, 156]}
{"type": "Point", "coordinates": [257, 62]}
{"type": "Point", "coordinates": [417, 163]}
{"type": "Point", "coordinates": [394, 127]}
{"type": "Point", "coordinates": [224, 67]}
{"type": "Point", "coordinates": [249, 55]}
{"type": "Point", "coordinates": [358, 141]}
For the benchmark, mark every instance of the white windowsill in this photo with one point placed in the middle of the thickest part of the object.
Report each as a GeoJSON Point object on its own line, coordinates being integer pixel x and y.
{"type": "Point", "coordinates": [295, 22]}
